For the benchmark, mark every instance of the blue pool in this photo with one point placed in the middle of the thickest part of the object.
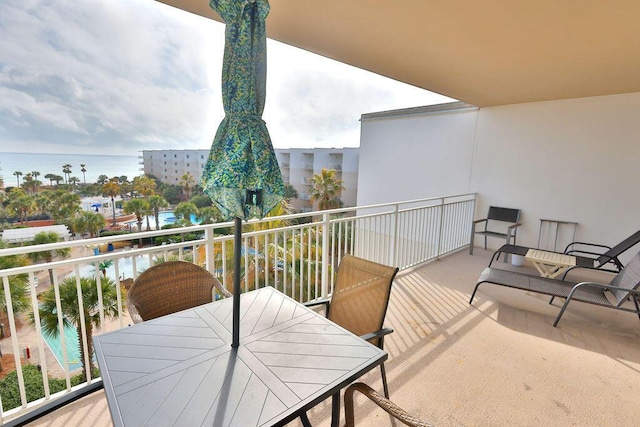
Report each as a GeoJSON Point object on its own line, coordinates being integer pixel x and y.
{"type": "Point", "coordinates": [164, 218]}
{"type": "Point", "coordinates": [73, 351]}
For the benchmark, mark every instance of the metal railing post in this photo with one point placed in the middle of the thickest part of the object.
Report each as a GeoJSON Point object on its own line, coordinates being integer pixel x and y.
{"type": "Point", "coordinates": [393, 244]}
{"type": "Point", "coordinates": [325, 254]}
{"type": "Point", "coordinates": [208, 250]}
{"type": "Point", "coordinates": [440, 229]}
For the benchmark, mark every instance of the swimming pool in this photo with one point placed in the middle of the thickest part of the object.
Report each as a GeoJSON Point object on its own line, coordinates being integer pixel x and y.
{"type": "Point", "coordinates": [125, 268]}
{"type": "Point", "coordinates": [164, 218]}
{"type": "Point", "coordinates": [73, 350]}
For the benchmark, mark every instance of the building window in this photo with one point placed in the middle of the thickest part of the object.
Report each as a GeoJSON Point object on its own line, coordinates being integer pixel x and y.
{"type": "Point", "coordinates": [176, 172]}
{"type": "Point", "coordinates": [165, 163]}
{"type": "Point", "coordinates": [175, 156]}
{"type": "Point", "coordinates": [202, 156]}
{"type": "Point", "coordinates": [187, 156]}
{"type": "Point", "coordinates": [187, 164]}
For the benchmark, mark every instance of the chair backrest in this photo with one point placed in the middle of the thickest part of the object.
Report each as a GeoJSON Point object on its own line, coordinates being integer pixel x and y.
{"type": "Point", "coordinates": [628, 278]}
{"type": "Point", "coordinates": [169, 287]}
{"type": "Point", "coordinates": [503, 214]}
{"type": "Point", "coordinates": [361, 295]}
{"type": "Point", "coordinates": [618, 249]}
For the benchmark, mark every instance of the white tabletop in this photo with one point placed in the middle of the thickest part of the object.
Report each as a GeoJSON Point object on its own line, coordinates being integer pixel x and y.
{"type": "Point", "coordinates": [180, 369]}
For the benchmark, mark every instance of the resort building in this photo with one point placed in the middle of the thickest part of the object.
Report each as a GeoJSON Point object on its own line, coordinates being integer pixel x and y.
{"type": "Point", "coordinates": [169, 165]}
{"type": "Point", "coordinates": [298, 165]}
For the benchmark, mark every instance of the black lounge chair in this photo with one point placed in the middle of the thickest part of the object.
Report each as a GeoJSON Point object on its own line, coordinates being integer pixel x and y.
{"type": "Point", "coordinates": [595, 261]}
{"type": "Point", "coordinates": [623, 286]}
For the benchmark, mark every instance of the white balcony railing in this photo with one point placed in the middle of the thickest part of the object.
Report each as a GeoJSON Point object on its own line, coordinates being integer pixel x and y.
{"type": "Point", "coordinates": [297, 254]}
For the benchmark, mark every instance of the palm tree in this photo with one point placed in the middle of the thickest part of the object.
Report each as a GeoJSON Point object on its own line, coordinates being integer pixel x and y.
{"type": "Point", "coordinates": [66, 170]}
{"type": "Point", "coordinates": [43, 238]}
{"type": "Point", "coordinates": [89, 222]}
{"type": "Point", "coordinates": [111, 189]}
{"type": "Point", "coordinates": [103, 179]}
{"type": "Point", "coordinates": [18, 284]}
{"type": "Point", "coordinates": [325, 189]}
{"type": "Point", "coordinates": [21, 204]}
{"type": "Point", "coordinates": [57, 179]}
{"type": "Point", "coordinates": [144, 186]}
{"type": "Point", "coordinates": [290, 192]}
{"type": "Point", "coordinates": [156, 203]}
{"type": "Point", "coordinates": [50, 177]}
{"type": "Point", "coordinates": [71, 314]}
{"type": "Point", "coordinates": [83, 169]}
{"type": "Point", "coordinates": [104, 265]}
{"type": "Point", "coordinates": [209, 215]}
{"type": "Point", "coordinates": [64, 205]}
{"type": "Point", "coordinates": [184, 210]}
{"type": "Point", "coordinates": [138, 207]}
{"type": "Point", "coordinates": [35, 174]}
{"type": "Point", "coordinates": [18, 174]}
{"type": "Point", "coordinates": [29, 184]}
{"type": "Point", "coordinates": [74, 180]}
{"type": "Point", "coordinates": [187, 183]}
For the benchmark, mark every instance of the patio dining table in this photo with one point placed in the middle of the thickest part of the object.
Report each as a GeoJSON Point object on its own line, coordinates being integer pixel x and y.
{"type": "Point", "coordinates": [180, 369]}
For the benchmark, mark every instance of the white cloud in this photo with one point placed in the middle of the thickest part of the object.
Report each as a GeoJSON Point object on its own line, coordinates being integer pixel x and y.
{"type": "Point", "coordinates": [127, 75]}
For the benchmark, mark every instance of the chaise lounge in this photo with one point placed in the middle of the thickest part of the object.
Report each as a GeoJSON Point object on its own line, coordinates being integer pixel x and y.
{"type": "Point", "coordinates": [623, 286]}
{"type": "Point", "coordinates": [588, 258]}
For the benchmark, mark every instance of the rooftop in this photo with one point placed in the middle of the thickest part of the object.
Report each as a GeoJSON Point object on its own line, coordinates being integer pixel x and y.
{"type": "Point", "coordinates": [496, 362]}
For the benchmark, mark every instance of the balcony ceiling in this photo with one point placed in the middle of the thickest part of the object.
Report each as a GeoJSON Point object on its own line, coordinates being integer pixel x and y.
{"type": "Point", "coordinates": [484, 52]}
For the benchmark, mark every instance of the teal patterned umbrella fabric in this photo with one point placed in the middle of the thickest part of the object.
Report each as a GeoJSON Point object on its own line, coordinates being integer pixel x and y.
{"type": "Point", "coordinates": [242, 176]}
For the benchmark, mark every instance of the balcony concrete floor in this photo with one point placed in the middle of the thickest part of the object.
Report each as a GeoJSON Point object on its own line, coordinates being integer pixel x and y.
{"type": "Point", "coordinates": [498, 362]}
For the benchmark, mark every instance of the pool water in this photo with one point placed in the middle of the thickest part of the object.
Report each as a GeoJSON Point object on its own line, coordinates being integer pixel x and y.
{"type": "Point", "coordinates": [164, 218]}
{"type": "Point", "coordinates": [73, 350]}
{"type": "Point", "coordinates": [125, 268]}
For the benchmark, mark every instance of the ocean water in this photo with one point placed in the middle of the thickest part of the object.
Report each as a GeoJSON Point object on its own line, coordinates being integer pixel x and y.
{"type": "Point", "coordinates": [95, 165]}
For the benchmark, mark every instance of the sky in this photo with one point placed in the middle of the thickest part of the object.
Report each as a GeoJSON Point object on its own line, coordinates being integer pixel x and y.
{"type": "Point", "coordinates": [121, 76]}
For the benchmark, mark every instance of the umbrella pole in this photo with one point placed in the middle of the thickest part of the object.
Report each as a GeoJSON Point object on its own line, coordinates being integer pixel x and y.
{"type": "Point", "coordinates": [236, 282]}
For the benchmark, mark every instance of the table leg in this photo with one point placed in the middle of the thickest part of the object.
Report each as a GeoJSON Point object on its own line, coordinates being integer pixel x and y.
{"type": "Point", "coordinates": [335, 410]}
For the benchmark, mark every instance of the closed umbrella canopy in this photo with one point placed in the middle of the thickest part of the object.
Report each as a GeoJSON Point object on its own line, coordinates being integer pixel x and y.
{"type": "Point", "coordinates": [242, 176]}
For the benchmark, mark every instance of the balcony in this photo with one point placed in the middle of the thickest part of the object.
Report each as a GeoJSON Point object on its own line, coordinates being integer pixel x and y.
{"type": "Point", "coordinates": [498, 362]}
{"type": "Point", "coordinates": [449, 362]}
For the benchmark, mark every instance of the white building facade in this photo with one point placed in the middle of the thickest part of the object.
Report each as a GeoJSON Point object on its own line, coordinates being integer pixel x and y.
{"type": "Point", "coordinates": [298, 165]}
{"type": "Point", "coordinates": [569, 160]}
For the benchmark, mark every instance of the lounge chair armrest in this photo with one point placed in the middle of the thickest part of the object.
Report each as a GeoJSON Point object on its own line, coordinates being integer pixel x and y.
{"type": "Point", "coordinates": [477, 221]}
{"type": "Point", "coordinates": [377, 334]}
{"type": "Point", "coordinates": [517, 224]}
{"type": "Point", "coordinates": [607, 287]}
{"type": "Point", "coordinates": [578, 251]}
{"type": "Point", "coordinates": [585, 244]}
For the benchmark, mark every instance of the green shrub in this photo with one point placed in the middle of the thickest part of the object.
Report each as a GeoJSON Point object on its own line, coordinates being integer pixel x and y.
{"type": "Point", "coordinates": [34, 387]}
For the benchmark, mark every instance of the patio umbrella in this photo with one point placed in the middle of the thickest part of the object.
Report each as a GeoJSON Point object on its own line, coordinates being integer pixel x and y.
{"type": "Point", "coordinates": [242, 175]}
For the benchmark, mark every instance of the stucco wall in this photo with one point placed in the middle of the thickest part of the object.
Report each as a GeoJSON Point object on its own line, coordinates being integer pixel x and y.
{"type": "Point", "coordinates": [417, 156]}
{"type": "Point", "coordinates": [573, 160]}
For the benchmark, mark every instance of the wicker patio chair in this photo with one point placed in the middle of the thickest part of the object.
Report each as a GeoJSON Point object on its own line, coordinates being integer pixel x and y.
{"type": "Point", "coordinates": [169, 287]}
{"type": "Point", "coordinates": [388, 406]}
{"type": "Point", "coordinates": [360, 299]}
